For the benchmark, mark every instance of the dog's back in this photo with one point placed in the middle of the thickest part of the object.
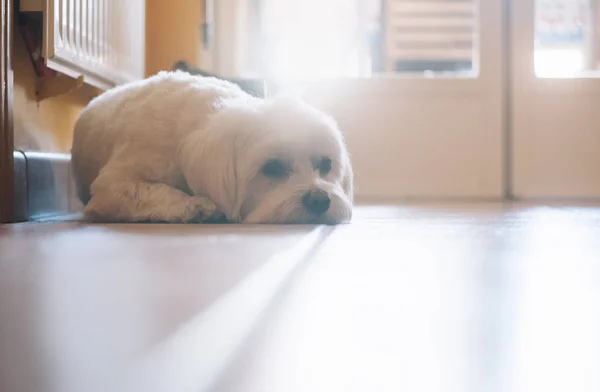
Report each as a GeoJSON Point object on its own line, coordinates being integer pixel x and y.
{"type": "Point", "coordinates": [154, 112]}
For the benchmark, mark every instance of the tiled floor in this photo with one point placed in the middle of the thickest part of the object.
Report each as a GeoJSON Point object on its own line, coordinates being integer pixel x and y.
{"type": "Point", "coordinates": [461, 297]}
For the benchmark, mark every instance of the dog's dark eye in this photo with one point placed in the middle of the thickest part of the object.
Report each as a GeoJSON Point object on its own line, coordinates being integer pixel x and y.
{"type": "Point", "coordinates": [274, 168]}
{"type": "Point", "coordinates": [324, 166]}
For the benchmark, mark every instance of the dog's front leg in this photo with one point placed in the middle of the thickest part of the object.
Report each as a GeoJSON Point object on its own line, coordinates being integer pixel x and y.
{"type": "Point", "coordinates": [118, 195]}
{"type": "Point", "coordinates": [147, 202]}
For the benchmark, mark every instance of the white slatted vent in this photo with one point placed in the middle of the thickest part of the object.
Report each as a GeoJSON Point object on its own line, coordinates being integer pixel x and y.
{"type": "Point", "coordinates": [429, 30]}
{"type": "Point", "coordinates": [103, 40]}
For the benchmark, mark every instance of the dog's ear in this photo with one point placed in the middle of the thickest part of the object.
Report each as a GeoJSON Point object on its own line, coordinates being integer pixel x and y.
{"type": "Point", "coordinates": [207, 159]}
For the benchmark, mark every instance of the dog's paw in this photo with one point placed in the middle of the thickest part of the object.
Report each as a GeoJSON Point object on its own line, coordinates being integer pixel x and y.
{"type": "Point", "coordinates": [201, 210]}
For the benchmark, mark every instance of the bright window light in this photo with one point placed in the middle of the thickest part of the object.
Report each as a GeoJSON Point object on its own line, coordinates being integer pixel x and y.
{"type": "Point", "coordinates": [302, 43]}
{"type": "Point", "coordinates": [558, 63]}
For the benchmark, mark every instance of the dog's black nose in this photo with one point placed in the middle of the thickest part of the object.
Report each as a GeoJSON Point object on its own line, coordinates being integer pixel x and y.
{"type": "Point", "coordinates": [316, 201]}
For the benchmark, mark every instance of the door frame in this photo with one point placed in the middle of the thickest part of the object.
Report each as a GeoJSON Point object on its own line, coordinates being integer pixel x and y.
{"type": "Point", "coordinates": [7, 183]}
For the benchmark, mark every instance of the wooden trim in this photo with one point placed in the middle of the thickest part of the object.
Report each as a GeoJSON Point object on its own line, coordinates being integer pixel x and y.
{"type": "Point", "coordinates": [595, 28]}
{"type": "Point", "coordinates": [7, 196]}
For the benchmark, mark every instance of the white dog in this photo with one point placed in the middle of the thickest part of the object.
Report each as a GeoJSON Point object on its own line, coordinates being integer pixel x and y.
{"type": "Point", "coordinates": [183, 148]}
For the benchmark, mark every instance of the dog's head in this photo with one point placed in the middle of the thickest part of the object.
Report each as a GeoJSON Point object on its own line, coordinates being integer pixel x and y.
{"type": "Point", "coordinates": [271, 161]}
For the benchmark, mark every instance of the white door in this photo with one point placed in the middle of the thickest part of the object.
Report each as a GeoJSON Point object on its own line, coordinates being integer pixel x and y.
{"type": "Point", "coordinates": [555, 98]}
{"type": "Point", "coordinates": [427, 123]}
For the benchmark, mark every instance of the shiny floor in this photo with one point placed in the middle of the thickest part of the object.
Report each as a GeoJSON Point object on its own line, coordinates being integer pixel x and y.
{"type": "Point", "coordinates": [457, 297]}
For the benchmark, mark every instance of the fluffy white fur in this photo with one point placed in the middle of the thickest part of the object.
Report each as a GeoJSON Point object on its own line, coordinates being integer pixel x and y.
{"type": "Point", "coordinates": [183, 148]}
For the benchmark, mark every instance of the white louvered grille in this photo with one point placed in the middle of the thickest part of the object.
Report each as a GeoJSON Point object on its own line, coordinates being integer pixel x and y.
{"type": "Point", "coordinates": [430, 30]}
{"type": "Point", "coordinates": [103, 40]}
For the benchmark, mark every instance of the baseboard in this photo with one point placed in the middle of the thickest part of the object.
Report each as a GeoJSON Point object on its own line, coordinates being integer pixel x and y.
{"type": "Point", "coordinates": [20, 179]}
{"type": "Point", "coordinates": [48, 191]}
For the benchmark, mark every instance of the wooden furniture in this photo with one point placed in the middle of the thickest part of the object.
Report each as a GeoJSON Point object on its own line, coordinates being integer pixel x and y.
{"type": "Point", "coordinates": [7, 176]}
